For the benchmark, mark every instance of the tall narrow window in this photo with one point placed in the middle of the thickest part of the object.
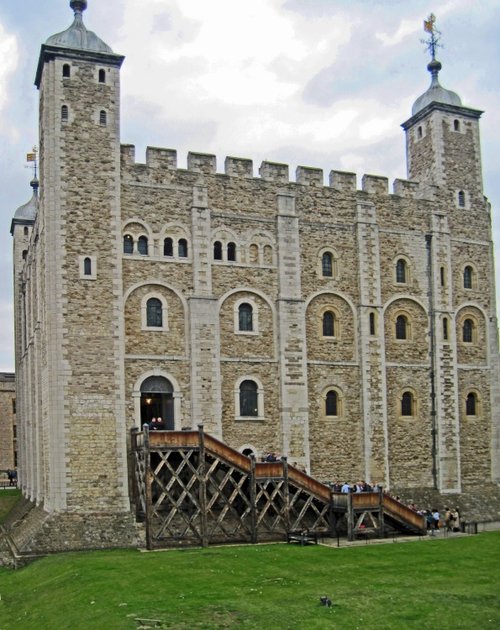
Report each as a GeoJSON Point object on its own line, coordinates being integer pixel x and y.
{"type": "Point", "coordinates": [407, 404]}
{"type": "Point", "coordinates": [102, 76]}
{"type": "Point", "coordinates": [128, 244]}
{"type": "Point", "coordinates": [419, 132]}
{"type": "Point", "coordinates": [142, 245]}
{"type": "Point", "coordinates": [372, 323]}
{"type": "Point", "coordinates": [445, 328]}
{"type": "Point", "coordinates": [66, 71]}
{"type": "Point", "coordinates": [468, 331]}
{"type": "Point", "coordinates": [182, 248]}
{"type": "Point", "coordinates": [401, 327]}
{"type": "Point", "coordinates": [87, 266]}
{"type": "Point", "coordinates": [332, 403]}
{"type": "Point", "coordinates": [328, 324]}
{"type": "Point", "coordinates": [231, 251]}
{"type": "Point", "coordinates": [327, 265]}
{"type": "Point", "coordinates": [468, 272]}
{"type": "Point", "coordinates": [64, 113]}
{"type": "Point", "coordinates": [154, 314]}
{"type": "Point", "coordinates": [461, 199]}
{"type": "Point", "coordinates": [456, 125]}
{"type": "Point", "coordinates": [168, 247]}
{"type": "Point", "coordinates": [401, 271]}
{"type": "Point", "coordinates": [217, 250]}
{"type": "Point", "coordinates": [249, 399]}
{"type": "Point", "coordinates": [245, 317]}
{"type": "Point", "coordinates": [442, 276]}
{"type": "Point", "coordinates": [103, 118]}
{"type": "Point", "coordinates": [471, 404]}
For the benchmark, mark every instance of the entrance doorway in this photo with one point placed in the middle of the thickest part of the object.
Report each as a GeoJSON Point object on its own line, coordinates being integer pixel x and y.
{"type": "Point", "coordinates": [157, 401]}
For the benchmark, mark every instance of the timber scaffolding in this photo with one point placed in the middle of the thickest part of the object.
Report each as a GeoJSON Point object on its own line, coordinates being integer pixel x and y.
{"type": "Point", "coordinates": [191, 489]}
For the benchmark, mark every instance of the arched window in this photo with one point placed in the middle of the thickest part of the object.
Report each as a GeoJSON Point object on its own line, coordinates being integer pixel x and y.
{"type": "Point", "coordinates": [401, 271]}
{"type": "Point", "coordinates": [245, 317]}
{"type": "Point", "coordinates": [419, 132]}
{"type": "Point", "coordinates": [328, 324]}
{"type": "Point", "coordinates": [456, 125]}
{"type": "Point", "coordinates": [231, 251]}
{"type": "Point", "coordinates": [445, 328]}
{"type": "Point", "coordinates": [217, 250]}
{"type": "Point", "coordinates": [332, 403]}
{"type": "Point", "coordinates": [182, 248]}
{"type": "Point", "coordinates": [372, 323]}
{"type": "Point", "coordinates": [461, 199]}
{"type": "Point", "coordinates": [471, 404]}
{"type": "Point", "coordinates": [168, 247]}
{"type": "Point", "coordinates": [87, 266]}
{"type": "Point", "coordinates": [468, 273]}
{"type": "Point", "coordinates": [407, 404]}
{"type": "Point", "coordinates": [401, 327]}
{"type": "Point", "coordinates": [249, 399]}
{"type": "Point", "coordinates": [64, 113]}
{"type": "Point", "coordinates": [154, 313]}
{"type": "Point", "coordinates": [468, 331]}
{"type": "Point", "coordinates": [103, 118]}
{"type": "Point", "coordinates": [128, 244]}
{"type": "Point", "coordinates": [142, 245]}
{"type": "Point", "coordinates": [268, 255]}
{"type": "Point", "coordinates": [66, 71]}
{"type": "Point", "coordinates": [102, 76]}
{"type": "Point", "coordinates": [327, 265]}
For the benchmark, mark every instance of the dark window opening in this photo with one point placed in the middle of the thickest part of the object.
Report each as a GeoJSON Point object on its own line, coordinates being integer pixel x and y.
{"type": "Point", "coordinates": [64, 113]}
{"type": "Point", "coordinates": [182, 248]}
{"type": "Point", "coordinates": [102, 76]}
{"type": "Point", "coordinates": [328, 324]}
{"type": "Point", "coordinates": [87, 267]}
{"type": "Point", "coordinates": [407, 404]}
{"type": "Point", "coordinates": [231, 251]}
{"type": "Point", "coordinates": [401, 327]}
{"type": "Point", "coordinates": [245, 317]}
{"type": "Point", "coordinates": [168, 247]}
{"type": "Point", "coordinates": [445, 329]}
{"type": "Point", "coordinates": [441, 275]}
{"type": "Point", "coordinates": [128, 244]}
{"type": "Point", "coordinates": [332, 403]}
{"type": "Point", "coordinates": [468, 277]}
{"type": "Point", "coordinates": [142, 245]}
{"type": "Point", "coordinates": [249, 399]}
{"type": "Point", "coordinates": [467, 331]}
{"type": "Point", "coordinates": [456, 125]}
{"type": "Point", "coordinates": [66, 71]}
{"type": "Point", "coordinates": [461, 199]}
{"type": "Point", "coordinates": [401, 271]}
{"type": "Point", "coordinates": [217, 250]}
{"type": "Point", "coordinates": [103, 118]}
{"type": "Point", "coordinates": [372, 323]}
{"type": "Point", "coordinates": [471, 404]}
{"type": "Point", "coordinates": [327, 265]}
{"type": "Point", "coordinates": [154, 313]}
{"type": "Point", "coordinates": [419, 132]}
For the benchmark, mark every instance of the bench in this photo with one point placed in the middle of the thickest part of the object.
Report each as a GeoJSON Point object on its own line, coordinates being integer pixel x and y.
{"type": "Point", "coordinates": [303, 538]}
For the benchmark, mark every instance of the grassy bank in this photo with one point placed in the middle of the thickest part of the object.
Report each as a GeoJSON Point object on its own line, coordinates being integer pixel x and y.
{"type": "Point", "coordinates": [8, 498]}
{"type": "Point", "coordinates": [437, 584]}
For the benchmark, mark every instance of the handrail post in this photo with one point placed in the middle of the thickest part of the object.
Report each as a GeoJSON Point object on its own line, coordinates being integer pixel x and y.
{"type": "Point", "coordinates": [253, 500]}
{"type": "Point", "coordinates": [203, 486]}
{"type": "Point", "coordinates": [148, 490]}
{"type": "Point", "coordinates": [381, 518]}
{"type": "Point", "coordinates": [350, 518]}
{"type": "Point", "coordinates": [286, 494]}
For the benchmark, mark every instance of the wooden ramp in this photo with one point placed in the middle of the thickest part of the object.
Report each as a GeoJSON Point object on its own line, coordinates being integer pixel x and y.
{"type": "Point", "coordinates": [193, 490]}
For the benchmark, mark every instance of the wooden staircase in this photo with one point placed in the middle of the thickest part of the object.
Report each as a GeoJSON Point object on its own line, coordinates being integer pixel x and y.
{"type": "Point", "coordinates": [192, 489]}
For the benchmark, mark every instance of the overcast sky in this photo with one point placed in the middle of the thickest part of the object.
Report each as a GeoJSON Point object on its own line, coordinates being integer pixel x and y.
{"type": "Point", "coordinates": [322, 83]}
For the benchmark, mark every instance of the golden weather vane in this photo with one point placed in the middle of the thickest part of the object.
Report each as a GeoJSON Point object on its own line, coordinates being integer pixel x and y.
{"type": "Point", "coordinates": [31, 157]}
{"type": "Point", "coordinates": [433, 42]}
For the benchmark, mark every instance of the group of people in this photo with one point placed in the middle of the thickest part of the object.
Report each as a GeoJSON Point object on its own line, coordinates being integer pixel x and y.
{"type": "Point", "coordinates": [359, 486]}
{"type": "Point", "coordinates": [155, 424]}
{"type": "Point", "coordinates": [449, 521]}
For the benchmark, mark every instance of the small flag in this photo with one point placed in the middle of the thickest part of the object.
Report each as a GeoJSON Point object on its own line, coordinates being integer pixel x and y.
{"type": "Point", "coordinates": [31, 157]}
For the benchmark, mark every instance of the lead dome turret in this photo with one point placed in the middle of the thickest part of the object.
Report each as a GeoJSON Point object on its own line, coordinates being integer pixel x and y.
{"type": "Point", "coordinates": [436, 93]}
{"type": "Point", "coordinates": [26, 214]}
{"type": "Point", "coordinates": [77, 36]}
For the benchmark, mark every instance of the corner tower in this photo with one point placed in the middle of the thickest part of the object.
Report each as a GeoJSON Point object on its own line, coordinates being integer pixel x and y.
{"type": "Point", "coordinates": [80, 437]}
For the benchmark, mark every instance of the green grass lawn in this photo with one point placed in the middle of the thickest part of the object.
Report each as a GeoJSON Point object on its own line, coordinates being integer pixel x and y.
{"type": "Point", "coordinates": [8, 498]}
{"type": "Point", "coordinates": [440, 584]}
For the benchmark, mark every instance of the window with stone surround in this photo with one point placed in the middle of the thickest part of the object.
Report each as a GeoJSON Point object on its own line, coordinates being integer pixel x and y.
{"type": "Point", "coordinates": [461, 199]}
{"type": "Point", "coordinates": [217, 250]}
{"type": "Point", "coordinates": [87, 267]}
{"type": "Point", "coordinates": [472, 404]}
{"type": "Point", "coordinates": [249, 399]}
{"type": "Point", "coordinates": [469, 277]}
{"type": "Point", "coordinates": [142, 245]}
{"type": "Point", "coordinates": [333, 403]}
{"type": "Point", "coordinates": [64, 113]}
{"type": "Point", "coordinates": [329, 324]}
{"type": "Point", "coordinates": [328, 263]}
{"type": "Point", "coordinates": [372, 323]}
{"type": "Point", "coordinates": [456, 125]}
{"type": "Point", "coordinates": [231, 252]}
{"type": "Point", "coordinates": [103, 118]}
{"type": "Point", "coordinates": [402, 327]}
{"type": "Point", "coordinates": [468, 331]}
{"type": "Point", "coordinates": [154, 312]}
{"type": "Point", "coordinates": [401, 271]}
{"type": "Point", "coordinates": [245, 316]}
{"type": "Point", "coordinates": [445, 329]}
{"type": "Point", "coordinates": [168, 246]}
{"type": "Point", "coordinates": [128, 244]}
{"type": "Point", "coordinates": [182, 248]}
{"type": "Point", "coordinates": [66, 71]}
{"type": "Point", "coordinates": [407, 407]}
{"type": "Point", "coordinates": [102, 76]}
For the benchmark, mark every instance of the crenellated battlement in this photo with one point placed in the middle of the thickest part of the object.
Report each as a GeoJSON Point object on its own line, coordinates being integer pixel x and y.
{"type": "Point", "coordinates": [158, 159]}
